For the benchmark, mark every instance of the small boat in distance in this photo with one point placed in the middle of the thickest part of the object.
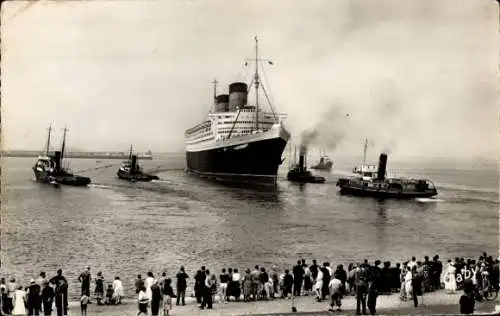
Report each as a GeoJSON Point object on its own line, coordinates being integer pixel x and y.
{"type": "Point", "coordinates": [132, 171]}
{"type": "Point", "coordinates": [325, 163]}
{"type": "Point", "coordinates": [299, 172]}
{"type": "Point", "coordinates": [49, 169]}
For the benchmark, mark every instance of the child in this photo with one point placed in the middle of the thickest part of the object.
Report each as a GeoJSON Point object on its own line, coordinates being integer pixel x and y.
{"type": "Point", "coordinates": [169, 293]}
{"type": "Point", "coordinates": [84, 301]}
{"type": "Point", "coordinates": [143, 302]}
{"type": "Point", "coordinates": [109, 295]}
{"type": "Point", "coordinates": [467, 303]}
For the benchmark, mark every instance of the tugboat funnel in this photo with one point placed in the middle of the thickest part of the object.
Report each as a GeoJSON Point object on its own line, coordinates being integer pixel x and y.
{"type": "Point", "coordinates": [133, 163]}
{"type": "Point", "coordinates": [57, 159]}
{"type": "Point", "coordinates": [382, 166]}
{"type": "Point", "coordinates": [302, 155]}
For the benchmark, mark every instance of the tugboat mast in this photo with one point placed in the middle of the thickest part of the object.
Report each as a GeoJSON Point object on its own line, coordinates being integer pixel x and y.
{"type": "Point", "coordinates": [365, 148]}
{"type": "Point", "coordinates": [63, 143]}
{"type": "Point", "coordinates": [130, 154]}
{"type": "Point", "coordinates": [48, 140]}
{"type": "Point", "coordinates": [256, 79]}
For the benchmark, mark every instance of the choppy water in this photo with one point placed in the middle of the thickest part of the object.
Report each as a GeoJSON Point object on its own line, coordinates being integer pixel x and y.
{"type": "Point", "coordinates": [123, 228]}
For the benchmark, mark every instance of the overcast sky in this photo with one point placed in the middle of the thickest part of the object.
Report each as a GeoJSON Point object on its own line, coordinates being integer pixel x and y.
{"type": "Point", "coordinates": [417, 77]}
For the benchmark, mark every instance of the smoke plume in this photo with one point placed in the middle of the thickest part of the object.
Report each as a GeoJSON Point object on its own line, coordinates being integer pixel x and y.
{"type": "Point", "coordinates": [328, 132]}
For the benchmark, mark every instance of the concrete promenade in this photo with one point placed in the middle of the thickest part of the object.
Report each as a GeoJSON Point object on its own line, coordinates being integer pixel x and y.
{"type": "Point", "coordinates": [433, 303]}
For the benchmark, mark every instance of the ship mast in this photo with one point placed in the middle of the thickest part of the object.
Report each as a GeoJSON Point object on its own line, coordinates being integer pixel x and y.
{"type": "Point", "coordinates": [63, 143]}
{"type": "Point", "coordinates": [215, 82]}
{"type": "Point", "coordinates": [48, 140]}
{"type": "Point", "coordinates": [130, 154]}
{"type": "Point", "coordinates": [256, 82]}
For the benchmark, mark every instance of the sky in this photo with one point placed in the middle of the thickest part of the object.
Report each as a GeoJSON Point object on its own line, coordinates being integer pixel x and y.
{"type": "Point", "coordinates": [418, 78]}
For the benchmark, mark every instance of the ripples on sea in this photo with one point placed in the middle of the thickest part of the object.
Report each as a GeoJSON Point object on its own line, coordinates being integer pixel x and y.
{"type": "Point", "coordinates": [123, 228]}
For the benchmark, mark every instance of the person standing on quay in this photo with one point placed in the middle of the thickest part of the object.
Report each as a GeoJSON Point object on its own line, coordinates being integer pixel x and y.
{"type": "Point", "coordinates": [207, 292]}
{"type": "Point", "coordinates": [199, 285]}
{"type": "Point", "coordinates": [437, 269]}
{"type": "Point", "coordinates": [168, 294]}
{"type": "Point", "coordinates": [181, 286]}
{"type": "Point", "coordinates": [33, 298]}
{"type": "Point", "coordinates": [61, 293]}
{"type": "Point", "coordinates": [47, 298]}
{"type": "Point", "coordinates": [139, 283]}
{"type": "Point", "coordinates": [84, 278]}
{"type": "Point", "coordinates": [19, 301]}
{"type": "Point", "coordinates": [118, 292]}
{"type": "Point", "coordinates": [326, 280]}
{"type": "Point", "coordinates": [143, 302]}
{"type": "Point", "coordinates": [374, 286]}
{"type": "Point", "coordinates": [84, 301]}
{"type": "Point", "coordinates": [155, 298]}
{"type": "Point", "coordinates": [11, 289]}
{"type": "Point", "coordinates": [416, 285]}
{"type": "Point", "coordinates": [298, 276]}
{"type": "Point", "coordinates": [361, 289]}
{"type": "Point", "coordinates": [99, 288]}
{"type": "Point", "coordinates": [148, 283]}
{"type": "Point", "coordinates": [224, 280]}
{"type": "Point", "coordinates": [335, 287]}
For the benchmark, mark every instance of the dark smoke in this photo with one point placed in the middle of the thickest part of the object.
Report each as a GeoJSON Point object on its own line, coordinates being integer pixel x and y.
{"type": "Point", "coordinates": [328, 132]}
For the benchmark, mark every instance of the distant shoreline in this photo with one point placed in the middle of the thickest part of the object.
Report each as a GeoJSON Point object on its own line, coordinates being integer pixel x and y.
{"type": "Point", "coordinates": [85, 155]}
{"type": "Point", "coordinates": [20, 153]}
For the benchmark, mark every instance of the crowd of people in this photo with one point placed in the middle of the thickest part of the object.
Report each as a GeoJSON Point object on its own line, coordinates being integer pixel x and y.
{"type": "Point", "coordinates": [365, 281]}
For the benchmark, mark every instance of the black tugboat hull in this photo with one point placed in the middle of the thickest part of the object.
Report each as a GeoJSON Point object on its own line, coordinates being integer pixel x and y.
{"type": "Point", "coordinates": [136, 177]}
{"type": "Point", "coordinates": [65, 179]}
{"type": "Point", "coordinates": [321, 168]}
{"type": "Point", "coordinates": [251, 162]}
{"type": "Point", "coordinates": [306, 179]}
{"type": "Point", "coordinates": [386, 194]}
{"type": "Point", "coordinates": [77, 181]}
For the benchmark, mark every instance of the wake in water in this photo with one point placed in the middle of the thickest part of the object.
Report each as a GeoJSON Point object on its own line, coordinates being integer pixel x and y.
{"type": "Point", "coordinates": [428, 200]}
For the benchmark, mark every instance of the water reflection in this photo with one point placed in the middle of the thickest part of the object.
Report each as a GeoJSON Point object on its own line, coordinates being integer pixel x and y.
{"type": "Point", "coordinates": [381, 224]}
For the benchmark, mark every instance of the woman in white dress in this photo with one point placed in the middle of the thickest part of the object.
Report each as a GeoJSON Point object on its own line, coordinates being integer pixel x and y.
{"type": "Point", "coordinates": [408, 279]}
{"type": "Point", "coordinates": [118, 292]}
{"type": "Point", "coordinates": [150, 280]}
{"type": "Point", "coordinates": [318, 285]}
{"type": "Point", "coordinates": [19, 301]}
{"type": "Point", "coordinates": [450, 283]}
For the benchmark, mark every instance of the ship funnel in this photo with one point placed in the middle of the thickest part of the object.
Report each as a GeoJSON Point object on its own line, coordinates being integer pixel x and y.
{"type": "Point", "coordinates": [133, 163]}
{"type": "Point", "coordinates": [222, 103]}
{"type": "Point", "coordinates": [382, 166]}
{"type": "Point", "coordinates": [237, 95]}
{"type": "Point", "coordinates": [57, 160]}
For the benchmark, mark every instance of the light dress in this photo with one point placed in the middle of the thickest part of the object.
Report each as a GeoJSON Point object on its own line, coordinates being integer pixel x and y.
{"type": "Point", "coordinates": [19, 303]}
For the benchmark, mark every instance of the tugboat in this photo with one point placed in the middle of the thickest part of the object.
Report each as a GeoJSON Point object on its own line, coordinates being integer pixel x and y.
{"type": "Point", "coordinates": [382, 187]}
{"type": "Point", "coordinates": [49, 169]}
{"type": "Point", "coordinates": [299, 172]}
{"type": "Point", "coordinates": [130, 170]}
{"type": "Point", "coordinates": [325, 163]}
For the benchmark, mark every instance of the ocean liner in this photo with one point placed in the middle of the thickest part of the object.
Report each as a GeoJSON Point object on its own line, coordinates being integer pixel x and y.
{"type": "Point", "coordinates": [238, 141]}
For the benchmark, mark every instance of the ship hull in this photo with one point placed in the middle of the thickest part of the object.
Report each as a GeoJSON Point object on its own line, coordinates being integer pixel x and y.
{"type": "Point", "coordinates": [42, 176]}
{"type": "Point", "coordinates": [386, 194]}
{"type": "Point", "coordinates": [66, 179]}
{"type": "Point", "coordinates": [252, 160]}
{"type": "Point", "coordinates": [135, 177]}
